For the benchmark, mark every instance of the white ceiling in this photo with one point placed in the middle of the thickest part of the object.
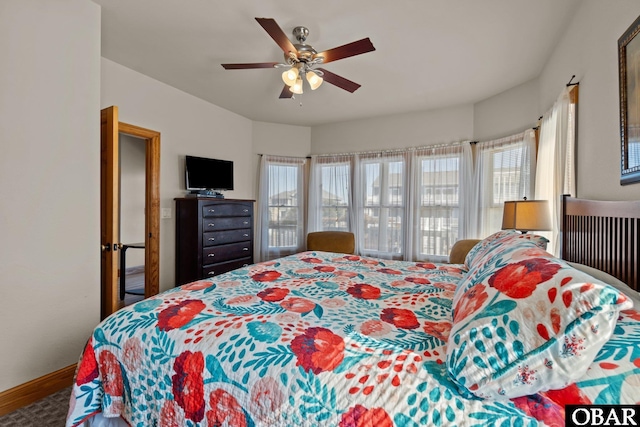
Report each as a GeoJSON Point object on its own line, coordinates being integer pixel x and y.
{"type": "Point", "coordinates": [429, 53]}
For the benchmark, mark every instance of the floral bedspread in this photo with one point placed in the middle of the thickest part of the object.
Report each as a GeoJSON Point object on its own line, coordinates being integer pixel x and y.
{"type": "Point", "coordinates": [313, 339]}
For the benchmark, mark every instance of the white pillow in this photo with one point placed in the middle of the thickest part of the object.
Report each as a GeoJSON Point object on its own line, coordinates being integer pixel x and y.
{"type": "Point", "coordinates": [526, 322]}
{"type": "Point", "coordinates": [633, 295]}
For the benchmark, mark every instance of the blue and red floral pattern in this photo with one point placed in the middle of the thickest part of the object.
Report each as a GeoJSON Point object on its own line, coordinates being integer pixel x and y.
{"type": "Point", "coordinates": [318, 339]}
{"type": "Point", "coordinates": [525, 322]}
{"type": "Point", "coordinates": [489, 244]}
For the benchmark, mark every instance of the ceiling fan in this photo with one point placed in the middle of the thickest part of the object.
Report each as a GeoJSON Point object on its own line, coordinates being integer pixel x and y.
{"type": "Point", "coordinates": [302, 60]}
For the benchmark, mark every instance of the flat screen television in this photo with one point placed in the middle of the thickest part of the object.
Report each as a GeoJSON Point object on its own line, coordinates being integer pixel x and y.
{"type": "Point", "coordinates": [202, 173]}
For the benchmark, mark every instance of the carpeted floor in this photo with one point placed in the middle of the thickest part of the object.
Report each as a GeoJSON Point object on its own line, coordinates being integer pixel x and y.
{"type": "Point", "coordinates": [48, 412]}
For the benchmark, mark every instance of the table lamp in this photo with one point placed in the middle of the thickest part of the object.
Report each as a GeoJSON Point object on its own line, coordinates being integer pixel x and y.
{"type": "Point", "coordinates": [526, 215]}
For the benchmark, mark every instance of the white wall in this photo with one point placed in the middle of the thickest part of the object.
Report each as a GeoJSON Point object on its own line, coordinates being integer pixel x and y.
{"type": "Point", "coordinates": [187, 125]}
{"type": "Point", "coordinates": [507, 113]}
{"type": "Point", "coordinates": [279, 140]}
{"type": "Point", "coordinates": [397, 131]}
{"type": "Point", "coordinates": [589, 50]}
{"type": "Point", "coordinates": [49, 184]}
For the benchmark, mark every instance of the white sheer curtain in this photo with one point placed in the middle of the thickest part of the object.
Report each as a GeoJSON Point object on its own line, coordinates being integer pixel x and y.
{"type": "Point", "coordinates": [380, 198]}
{"type": "Point", "coordinates": [440, 200]}
{"type": "Point", "coordinates": [410, 204]}
{"type": "Point", "coordinates": [280, 217]}
{"type": "Point", "coordinates": [555, 174]}
{"type": "Point", "coordinates": [505, 170]}
{"type": "Point", "coordinates": [330, 193]}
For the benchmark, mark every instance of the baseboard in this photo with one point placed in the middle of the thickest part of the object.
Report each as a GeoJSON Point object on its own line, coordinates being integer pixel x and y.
{"type": "Point", "coordinates": [29, 392]}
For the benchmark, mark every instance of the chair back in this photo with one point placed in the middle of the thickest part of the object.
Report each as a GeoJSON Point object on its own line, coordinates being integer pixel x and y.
{"type": "Point", "coordinates": [331, 241]}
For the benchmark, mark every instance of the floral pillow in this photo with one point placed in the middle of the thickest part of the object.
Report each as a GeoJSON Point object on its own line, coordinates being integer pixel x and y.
{"type": "Point", "coordinates": [496, 241]}
{"type": "Point", "coordinates": [526, 322]}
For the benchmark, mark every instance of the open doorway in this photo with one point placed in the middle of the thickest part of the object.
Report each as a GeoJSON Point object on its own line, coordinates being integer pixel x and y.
{"type": "Point", "coordinates": [132, 218]}
{"type": "Point", "coordinates": [113, 247]}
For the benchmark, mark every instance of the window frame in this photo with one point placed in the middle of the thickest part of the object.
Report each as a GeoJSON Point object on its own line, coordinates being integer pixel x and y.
{"type": "Point", "coordinates": [385, 206]}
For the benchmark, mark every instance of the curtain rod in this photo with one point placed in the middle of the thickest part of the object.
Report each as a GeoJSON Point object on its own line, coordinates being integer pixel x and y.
{"type": "Point", "coordinates": [508, 136]}
{"type": "Point", "coordinates": [277, 155]}
{"type": "Point", "coordinates": [397, 150]}
{"type": "Point", "coordinates": [389, 151]}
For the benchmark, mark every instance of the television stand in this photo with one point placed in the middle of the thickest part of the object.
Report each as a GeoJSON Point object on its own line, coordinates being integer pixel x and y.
{"type": "Point", "coordinates": [207, 193]}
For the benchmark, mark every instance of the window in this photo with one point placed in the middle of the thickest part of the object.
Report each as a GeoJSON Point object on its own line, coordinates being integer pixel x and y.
{"type": "Point", "coordinates": [440, 175]}
{"type": "Point", "coordinates": [510, 175]}
{"type": "Point", "coordinates": [405, 204]}
{"type": "Point", "coordinates": [281, 206]}
{"type": "Point", "coordinates": [505, 171]}
{"type": "Point", "coordinates": [330, 193]}
{"type": "Point", "coordinates": [284, 206]}
{"type": "Point", "coordinates": [438, 208]}
{"type": "Point", "coordinates": [335, 194]}
{"type": "Point", "coordinates": [382, 207]}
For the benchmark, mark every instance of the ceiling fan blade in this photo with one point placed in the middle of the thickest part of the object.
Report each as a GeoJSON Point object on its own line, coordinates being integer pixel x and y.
{"type": "Point", "coordinates": [345, 51]}
{"type": "Point", "coordinates": [249, 66]}
{"type": "Point", "coordinates": [339, 81]}
{"type": "Point", "coordinates": [276, 33]}
{"type": "Point", "coordinates": [286, 93]}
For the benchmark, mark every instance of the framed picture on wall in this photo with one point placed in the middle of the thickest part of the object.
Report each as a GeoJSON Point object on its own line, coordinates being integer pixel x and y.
{"type": "Point", "coordinates": [629, 69]}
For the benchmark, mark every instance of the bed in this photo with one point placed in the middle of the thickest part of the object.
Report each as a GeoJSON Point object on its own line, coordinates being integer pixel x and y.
{"type": "Point", "coordinates": [604, 235]}
{"type": "Point", "coordinates": [320, 338]}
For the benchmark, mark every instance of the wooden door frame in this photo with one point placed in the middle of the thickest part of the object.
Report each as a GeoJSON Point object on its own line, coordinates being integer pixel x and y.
{"type": "Point", "coordinates": [110, 130]}
{"type": "Point", "coordinates": [109, 210]}
{"type": "Point", "coordinates": [152, 205]}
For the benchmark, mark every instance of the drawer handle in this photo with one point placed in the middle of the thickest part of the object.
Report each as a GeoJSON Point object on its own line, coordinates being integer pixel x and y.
{"type": "Point", "coordinates": [211, 273]}
{"type": "Point", "coordinates": [245, 249]}
{"type": "Point", "coordinates": [211, 255]}
{"type": "Point", "coordinates": [211, 224]}
{"type": "Point", "coordinates": [211, 239]}
{"type": "Point", "coordinates": [212, 210]}
{"type": "Point", "coordinates": [246, 210]}
{"type": "Point", "coordinates": [246, 222]}
{"type": "Point", "coordinates": [245, 235]}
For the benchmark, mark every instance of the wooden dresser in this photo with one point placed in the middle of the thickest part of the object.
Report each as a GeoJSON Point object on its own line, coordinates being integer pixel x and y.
{"type": "Point", "coordinates": [213, 236]}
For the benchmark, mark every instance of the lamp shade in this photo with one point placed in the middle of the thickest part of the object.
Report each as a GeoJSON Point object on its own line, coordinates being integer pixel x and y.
{"type": "Point", "coordinates": [314, 80]}
{"type": "Point", "coordinates": [289, 76]}
{"type": "Point", "coordinates": [297, 86]}
{"type": "Point", "coordinates": [526, 215]}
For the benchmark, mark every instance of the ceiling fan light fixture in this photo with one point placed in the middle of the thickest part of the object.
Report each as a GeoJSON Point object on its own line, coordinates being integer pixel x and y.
{"type": "Point", "coordinates": [297, 87]}
{"type": "Point", "coordinates": [290, 76]}
{"type": "Point", "coordinates": [314, 80]}
{"type": "Point", "coordinates": [301, 58]}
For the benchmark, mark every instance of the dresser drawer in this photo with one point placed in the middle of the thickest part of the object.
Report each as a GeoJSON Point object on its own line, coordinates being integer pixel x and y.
{"type": "Point", "coordinates": [215, 254]}
{"type": "Point", "coordinates": [225, 223]}
{"type": "Point", "coordinates": [223, 267]}
{"type": "Point", "coordinates": [214, 238]}
{"type": "Point", "coordinates": [226, 209]}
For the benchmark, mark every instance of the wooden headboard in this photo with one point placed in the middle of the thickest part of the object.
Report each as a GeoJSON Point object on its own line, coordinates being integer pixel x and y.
{"type": "Point", "coordinates": [603, 235]}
